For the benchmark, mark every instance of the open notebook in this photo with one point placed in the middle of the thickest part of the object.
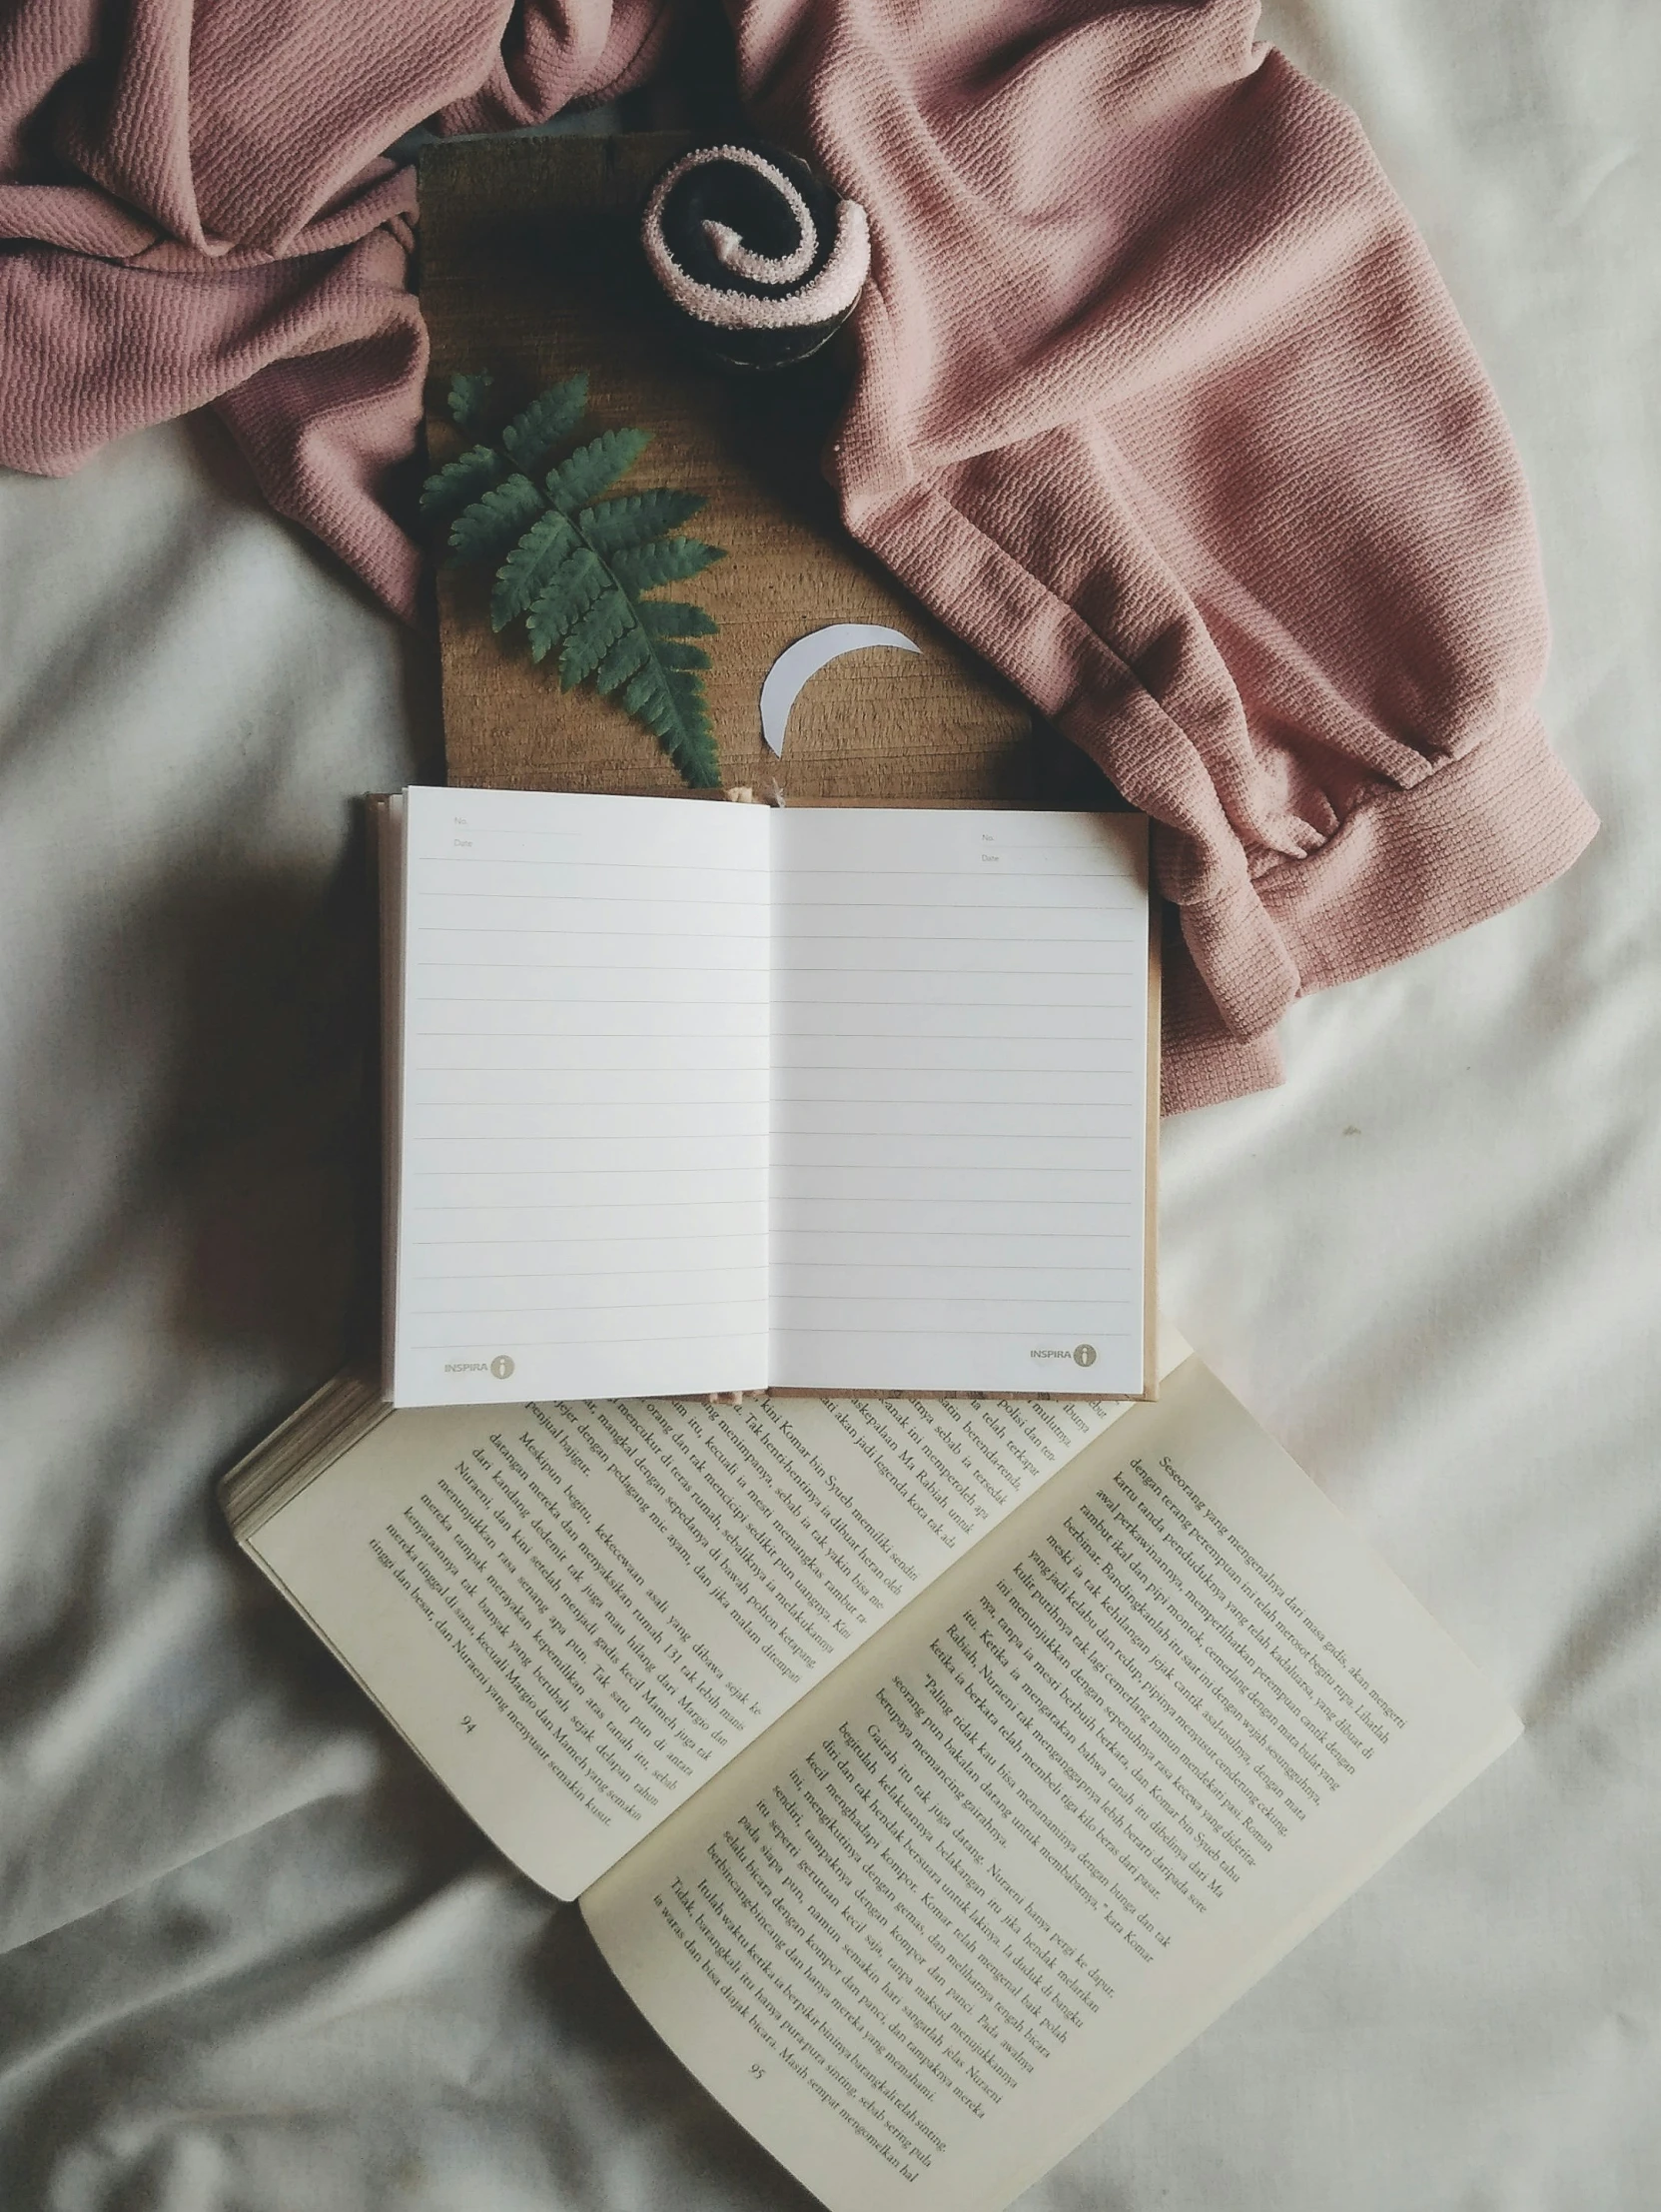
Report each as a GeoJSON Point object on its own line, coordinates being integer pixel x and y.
{"type": "Point", "coordinates": [688, 1097]}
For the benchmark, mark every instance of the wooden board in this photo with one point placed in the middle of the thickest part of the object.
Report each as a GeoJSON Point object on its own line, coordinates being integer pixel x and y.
{"type": "Point", "coordinates": [530, 267]}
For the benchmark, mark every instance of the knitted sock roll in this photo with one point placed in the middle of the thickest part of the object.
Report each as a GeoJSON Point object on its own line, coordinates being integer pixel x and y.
{"type": "Point", "coordinates": [759, 259]}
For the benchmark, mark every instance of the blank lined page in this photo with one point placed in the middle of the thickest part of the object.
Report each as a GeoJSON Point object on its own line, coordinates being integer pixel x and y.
{"type": "Point", "coordinates": [582, 1196]}
{"type": "Point", "coordinates": [960, 1099]}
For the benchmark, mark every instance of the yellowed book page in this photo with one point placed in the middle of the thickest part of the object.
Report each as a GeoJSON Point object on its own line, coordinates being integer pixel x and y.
{"type": "Point", "coordinates": [974, 1890]}
{"type": "Point", "coordinates": [577, 1613]}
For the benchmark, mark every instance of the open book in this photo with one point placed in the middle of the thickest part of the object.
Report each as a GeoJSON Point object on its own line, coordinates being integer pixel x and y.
{"type": "Point", "coordinates": [929, 1771]}
{"type": "Point", "coordinates": [691, 1097]}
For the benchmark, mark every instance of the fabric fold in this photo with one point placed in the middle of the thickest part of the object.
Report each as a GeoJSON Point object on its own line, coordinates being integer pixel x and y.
{"type": "Point", "coordinates": [199, 213]}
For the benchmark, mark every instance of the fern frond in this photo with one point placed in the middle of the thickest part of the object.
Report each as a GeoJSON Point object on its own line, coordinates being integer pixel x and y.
{"type": "Point", "coordinates": [574, 564]}
{"type": "Point", "coordinates": [458, 482]}
{"type": "Point", "coordinates": [668, 561]}
{"type": "Point", "coordinates": [638, 518]}
{"type": "Point", "coordinates": [592, 639]}
{"type": "Point", "coordinates": [680, 719]}
{"type": "Point", "coordinates": [470, 402]}
{"type": "Point", "coordinates": [631, 653]}
{"type": "Point", "coordinates": [693, 710]}
{"type": "Point", "coordinates": [530, 566]}
{"type": "Point", "coordinates": [670, 701]}
{"type": "Point", "coordinates": [693, 752]}
{"type": "Point", "coordinates": [570, 593]}
{"type": "Point", "coordinates": [484, 530]}
{"type": "Point", "coordinates": [531, 436]}
{"type": "Point", "coordinates": [675, 619]}
{"type": "Point", "coordinates": [584, 475]}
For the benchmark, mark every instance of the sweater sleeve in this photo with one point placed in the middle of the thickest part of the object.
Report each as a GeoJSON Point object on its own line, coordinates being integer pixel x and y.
{"type": "Point", "coordinates": [1163, 408]}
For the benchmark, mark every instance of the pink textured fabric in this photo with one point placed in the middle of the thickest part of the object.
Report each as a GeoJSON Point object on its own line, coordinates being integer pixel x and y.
{"type": "Point", "coordinates": [202, 217]}
{"type": "Point", "coordinates": [1160, 405]}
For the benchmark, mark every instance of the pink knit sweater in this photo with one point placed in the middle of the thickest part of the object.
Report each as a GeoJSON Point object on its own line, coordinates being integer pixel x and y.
{"type": "Point", "coordinates": [1161, 403]}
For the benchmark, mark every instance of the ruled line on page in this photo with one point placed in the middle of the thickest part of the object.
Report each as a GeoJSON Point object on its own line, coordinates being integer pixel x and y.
{"type": "Point", "coordinates": [612, 865]}
{"type": "Point", "coordinates": [894, 1328]}
{"type": "Point", "coordinates": [625, 1236]}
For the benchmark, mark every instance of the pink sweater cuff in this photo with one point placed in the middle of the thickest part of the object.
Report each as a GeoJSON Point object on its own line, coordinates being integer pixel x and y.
{"type": "Point", "coordinates": [1406, 869]}
{"type": "Point", "coordinates": [1409, 869]}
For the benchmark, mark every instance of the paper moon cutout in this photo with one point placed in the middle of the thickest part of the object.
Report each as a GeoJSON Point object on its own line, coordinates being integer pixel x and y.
{"type": "Point", "coordinates": [799, 663]}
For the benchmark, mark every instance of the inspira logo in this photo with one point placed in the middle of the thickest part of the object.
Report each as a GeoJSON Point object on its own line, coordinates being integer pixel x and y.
{"type": "Point", "coordinates": [501, 1367]}
{"type": "Point", "coordinates": [1082, 1354]}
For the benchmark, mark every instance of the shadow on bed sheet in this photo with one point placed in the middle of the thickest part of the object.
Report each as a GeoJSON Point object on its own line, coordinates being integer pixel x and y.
{"type": "Point", "coordinates": [271, 1142]}
{"type": "Point", "coordinates": [334, 1967]}
{"type": "Point", "coordinates": [271, 1148]}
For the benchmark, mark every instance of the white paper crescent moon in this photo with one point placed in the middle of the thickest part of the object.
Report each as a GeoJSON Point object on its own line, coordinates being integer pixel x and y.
{"type": "Point", "coordinates": [800, 662]}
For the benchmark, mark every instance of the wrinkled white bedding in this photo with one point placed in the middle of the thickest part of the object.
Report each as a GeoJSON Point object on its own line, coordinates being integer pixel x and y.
{"type": "Point", "coordinates": [252, 1959]}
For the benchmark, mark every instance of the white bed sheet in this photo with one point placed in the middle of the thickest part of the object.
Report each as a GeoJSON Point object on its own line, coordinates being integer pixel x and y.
{"type": "Point", "coordinates": [251, 1958]}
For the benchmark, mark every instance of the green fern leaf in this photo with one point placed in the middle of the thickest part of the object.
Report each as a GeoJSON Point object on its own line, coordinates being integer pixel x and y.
{"type": "Point", "coordinates": [631, 655]}
{"type": "Point", "coordinates": [575, 564]}
{"type": "Point", "coordinates": [638, 519]}
{"type": "Point", "coordinates": [691, 745]}
{"type": "Point", "coordinates": [674, 655]}
{"type": "Point", "coordinates": [686, 689]}
{"type": "Point", "coordinates": [456, 485]}
{"type": "Point", "coordinates": [584, 475]}
{"type": "Point", "coordinates": [484, 530]}
{"type": "Point", "coordinates": [548, 421]}
{"type": "Point", "coordinates": [668, 561]}
{"type": "Point", "coordinates": [574, 589]}
{"type": "Point", "coordinates": [530, 566]}
{"type": "Point", "coordinates": [470, 398]}
{"type": "Point", "coordinates": [669, 701]}
{"type": "Point", "coordinates": [595, 637]}
{"type": "Point", "coordinates": [674, 619]}
{"type": "Point", "coordinates": [648, 695]}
